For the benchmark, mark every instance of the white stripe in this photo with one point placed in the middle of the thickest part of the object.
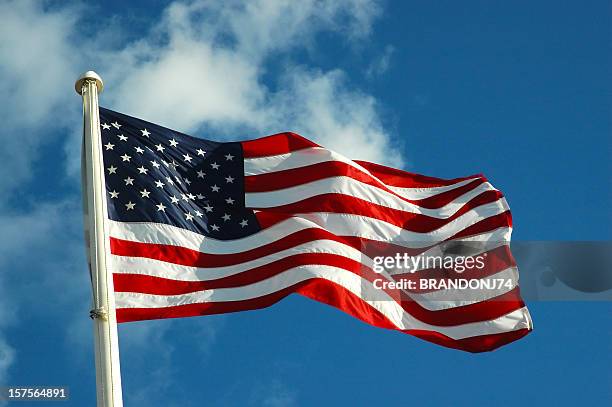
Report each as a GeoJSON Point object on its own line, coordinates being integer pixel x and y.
{"type": "Point", "coordinates": [351, 187]}
{"type": "Point", "coordinates": [434, 301]}
{"type": "Point", "coordinates": [355, 284]}
{"type": "Point", "coordinates": [159, 268]}
{"type": "Point", "coordinates": [295, 159]}
{"type": "Point", "coordinates": [375, 229]}
{"type": "Point", "coordinates": [316, 155]}
{"type": "Point", "coordinates": [338, 224]}
{"type": "Point", "coordinates": [422, 193]}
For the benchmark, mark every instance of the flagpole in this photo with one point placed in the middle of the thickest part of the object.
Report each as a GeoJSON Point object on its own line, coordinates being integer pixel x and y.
{"type": "Point", "coordinates": [108, 376]}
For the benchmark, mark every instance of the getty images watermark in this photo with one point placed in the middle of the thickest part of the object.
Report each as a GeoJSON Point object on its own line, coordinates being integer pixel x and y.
{"type": "Point", "coordinates": [402, 264]}
{"type": "Point", "coordinates": [471, 270]}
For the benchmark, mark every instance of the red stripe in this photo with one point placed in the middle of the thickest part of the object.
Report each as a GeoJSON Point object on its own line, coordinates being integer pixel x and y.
{"type": "Point", "coordinates": [485, 310]}
{"type": "Point", "coordinates": [477, 312]}
{"type": "Point", "coordinates": [414, 222]}
{"type": "Point", "coordinates": [498, 259]}
{"type": "Point", "coordinates": [489, 224]}
{"type": "Point", "coordinates": [281, 143]}
{"type": "Point", "coordinates": [168, 286]}
{"type": "Point", "coordinates": [267, 219]}
{"type": "Point", "coordinates": [326, 292]}
{"type": "Point", "coordinates": [278, 180]}
{"type": "Point", "coordinates": [474, 344]}
{"type": "Point", "coordinates": [194, 258]}
{"type": "Point", "coordinates": [405, 179]}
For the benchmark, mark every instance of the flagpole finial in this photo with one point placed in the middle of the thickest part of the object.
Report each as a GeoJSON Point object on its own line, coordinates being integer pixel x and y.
{"type": "Point", "coordinates": [89, 75]}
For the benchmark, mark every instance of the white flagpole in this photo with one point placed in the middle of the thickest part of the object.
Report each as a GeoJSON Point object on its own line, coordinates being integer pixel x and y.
{"type": "Point", "coordinates": [108, 376]}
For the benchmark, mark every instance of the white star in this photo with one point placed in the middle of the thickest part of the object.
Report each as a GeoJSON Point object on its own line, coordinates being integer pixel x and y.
{"type": "Point", "coordinates": [145, 132]}
{"type": "Point", "coordinates": [130, 206]}
{"type": "Point", "coordinates": [161, 207]}
{"type": "Point", "coordinates": [139, 150]}
{"type": "Point", "coordinates": [215, 166]}
{"type": "Point", "coordinates": [187, 158]}
{"type": "Point", "coordinates": [144, 193]}
{"type": "Point", "coordinates": [173, 142]}
{"type": "Point", "coordinates": [109, 146]}
{"type": "Point", "coordinates": [155, 164]}
{"type": "Point", "coordinates": [226, 217]}
{"type": "Point", "coordinates": [189, 216]}
{"type": "Point", "coordinates": [191, 196]}
{"type": "Point", "coordinates": [230, 201]}
{"type": "Point", "coordinates": [159, 184]}
{"type": "Point", "coordinates": [215, 188]}
{"type": "Point", "coordinates": [142, 169]}
{"type": "Point", "coordinates": [159, 148]}
{"type": "Point", "coordinates": [187, 181]}
{"type": "Point", "coordinates": [244, 223]}
{"type": "Point", "coordinates": [229, 157]}
{"type": "Point", "coordinates": [229, 179]}
{"type": "Point", "coordinates": [174, 199]}
{"type": "Point", "coordinates": [122, 137]}
{"type": "Point", "coordinates": [129, 181]}
{"type": "Point", "coordinates": [173, 165]}
{"type": "Point", "coordinates": [200, 196]}
{"type": "Point", "coordinates": [125, 157]}
{"type": "Point", "coordinates": [105, 126]}
{"type": "Point", "coordinates": [184, 197]}
{"type": "Point", "coordinates": [114, 194]}
{"type": "Point", "coordinates": [214, 227]}
{"type": "Point", "coordinates": [198, 213]}
{"type": "Point", "coordinates": [200, 151]}
{"type": "Point", "coordinates": [169, 180]}
{"type": "Point", "coordinates": [201, 174]}
{"type": "Point", "coordinates": [208, 208]}
{"type": "Point", "coordinates": [112, 170]}
{"type": "Point", "coordinates": [116, 125]}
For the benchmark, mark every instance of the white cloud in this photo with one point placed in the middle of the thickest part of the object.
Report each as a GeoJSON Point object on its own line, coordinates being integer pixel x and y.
{"type": "Point", "coordinates": [7, 356]}
{"type": "Point", "coordinates": [35, 53]}
{"type": "Point", "coordinates": [7, 351]}
{"type": "Point", "coordinates": [184, 85]}
{"type": "Point", "coordinates": [320, 106]}
{"type": "Point", "coordinates": [274, 393]}
{"type": "Point", "coordinates": [257, 27]}
{"type": "Point", "coordinates": [205, 332]}
{"type": "Point", "coordinates": [53, 269]}
{"type": "Point", "coordinates": [150, 366]}
{"type": "Point", "coordinates": [202, 65]}
{"type": "Point", "coordinates": [209, 72]}
{"type": "Point", "coordinates": [380, 65]}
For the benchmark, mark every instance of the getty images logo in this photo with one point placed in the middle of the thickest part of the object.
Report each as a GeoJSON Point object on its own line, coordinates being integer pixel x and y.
{"type": "Point", "coordinates": [404, 263]}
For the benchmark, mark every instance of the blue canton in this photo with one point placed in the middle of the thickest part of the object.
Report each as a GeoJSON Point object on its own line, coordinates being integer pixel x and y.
{"type": "Point", "coordinates": [154, 174]}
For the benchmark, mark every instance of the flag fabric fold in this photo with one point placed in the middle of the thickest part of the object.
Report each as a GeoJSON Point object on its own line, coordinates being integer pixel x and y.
{"type": "Point", "coordinates": [199, 227]}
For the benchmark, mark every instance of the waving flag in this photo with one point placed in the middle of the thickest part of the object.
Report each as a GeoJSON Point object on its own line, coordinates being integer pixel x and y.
{"type": "Point", "coordinates": [199, 227]}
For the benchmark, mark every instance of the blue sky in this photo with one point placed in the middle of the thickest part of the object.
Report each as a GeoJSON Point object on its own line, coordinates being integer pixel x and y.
{"type": "Point", "coordinates": [519, 91]}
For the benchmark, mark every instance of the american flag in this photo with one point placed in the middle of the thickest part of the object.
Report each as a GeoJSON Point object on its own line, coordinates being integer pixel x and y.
{"type": "Point", "coordinates": [200, 227]}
